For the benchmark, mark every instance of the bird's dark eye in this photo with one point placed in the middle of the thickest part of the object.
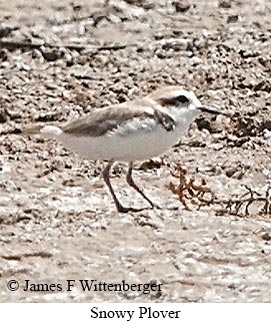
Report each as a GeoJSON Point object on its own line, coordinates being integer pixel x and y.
{"type": "Point", "coordinates": [182, 99]}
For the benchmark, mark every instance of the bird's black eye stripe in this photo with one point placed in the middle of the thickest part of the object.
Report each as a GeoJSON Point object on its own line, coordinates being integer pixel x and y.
{"type": "Point", "coordinates": [182, 99]}
{"type": "Point", "coordinates": [174, 101]}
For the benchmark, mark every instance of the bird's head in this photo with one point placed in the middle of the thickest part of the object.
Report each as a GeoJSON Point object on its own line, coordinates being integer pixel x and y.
{"type": "Point", "coordinates": [176, 98]}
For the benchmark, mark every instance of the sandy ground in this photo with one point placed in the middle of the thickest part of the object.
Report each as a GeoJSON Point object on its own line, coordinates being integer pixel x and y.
{"type": "Point", "coordinates": [57, 220]}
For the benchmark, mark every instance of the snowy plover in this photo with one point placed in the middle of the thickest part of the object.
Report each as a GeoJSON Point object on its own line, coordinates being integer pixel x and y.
{"type": "Point", "coordinates": [130, 131]}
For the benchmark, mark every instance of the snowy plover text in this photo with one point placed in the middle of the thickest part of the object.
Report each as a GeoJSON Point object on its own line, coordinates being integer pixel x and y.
{"type": "Point", "coordinates": [130, 131]}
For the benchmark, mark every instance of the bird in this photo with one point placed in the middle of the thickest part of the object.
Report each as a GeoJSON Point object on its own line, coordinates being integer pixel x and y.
{"type": "Point", "coordinates": [135, 130]}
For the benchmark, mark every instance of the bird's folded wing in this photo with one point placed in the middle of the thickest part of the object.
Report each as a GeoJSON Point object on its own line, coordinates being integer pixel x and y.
{"type": "Point", "coordinates": [107, 120]}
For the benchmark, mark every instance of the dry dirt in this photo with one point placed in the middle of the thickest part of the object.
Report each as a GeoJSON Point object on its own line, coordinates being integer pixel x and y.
{"type": "Point", "coordinates": [57, 220]}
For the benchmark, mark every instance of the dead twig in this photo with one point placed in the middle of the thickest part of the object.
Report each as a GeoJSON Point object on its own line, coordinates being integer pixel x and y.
{"type": "Point", "coordinates": [187, 189]}
{"type": "Point", "coordinates": [245, 201]}
{"type": "Point", "coordinates": [12, 45]}
{"type": "Point", "coordinates": [239, 205]}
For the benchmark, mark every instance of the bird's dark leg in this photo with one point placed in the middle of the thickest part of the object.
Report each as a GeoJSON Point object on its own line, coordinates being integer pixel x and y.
{"type": "Point", "coordinates": [131, 182]}
{"type": "Point", "coordinates": [106, 174]}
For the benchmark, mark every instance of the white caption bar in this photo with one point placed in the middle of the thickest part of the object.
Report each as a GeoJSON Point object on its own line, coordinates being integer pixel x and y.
{"type": "Point", "coordinates": [134, 312]}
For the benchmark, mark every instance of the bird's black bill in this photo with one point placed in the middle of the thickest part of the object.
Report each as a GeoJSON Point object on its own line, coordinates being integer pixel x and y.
{"type": "Point", "coordinates": [214, 111]}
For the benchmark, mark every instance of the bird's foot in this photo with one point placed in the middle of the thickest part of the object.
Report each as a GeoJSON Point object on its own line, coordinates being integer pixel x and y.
{"type": "Point", "coordinates": [123, 209]}
{"type": "Point", "coordinates": [156, 206]}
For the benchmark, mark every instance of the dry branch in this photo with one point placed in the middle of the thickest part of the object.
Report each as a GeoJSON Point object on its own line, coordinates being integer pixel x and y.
{"type": "Point", "coordinates": [237, 204]}
{"type": "Point", "coordinates": [187, 189]}
{"type": "Point", "coordinates": [12, 45]}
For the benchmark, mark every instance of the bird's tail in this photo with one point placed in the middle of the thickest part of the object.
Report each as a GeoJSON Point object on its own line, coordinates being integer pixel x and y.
{"type": "Point", "coordinates": [48, 131]}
